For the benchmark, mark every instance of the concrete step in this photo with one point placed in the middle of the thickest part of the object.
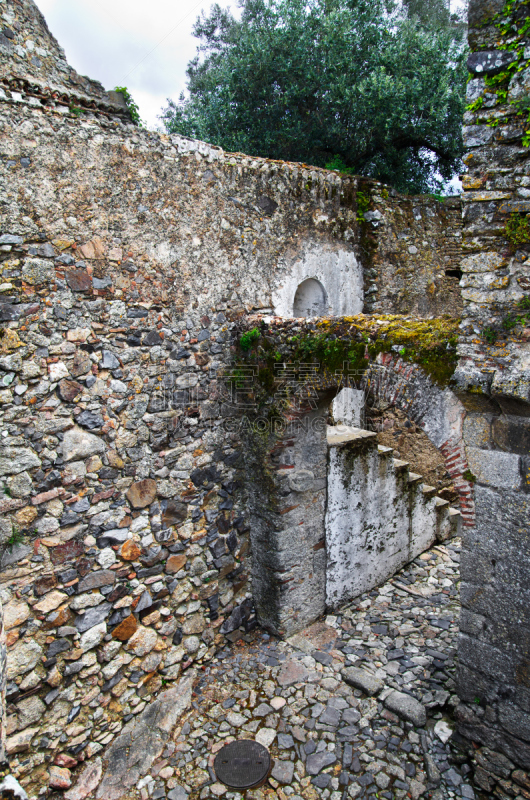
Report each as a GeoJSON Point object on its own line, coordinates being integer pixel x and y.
{"type": "Point", "coordinates": [455, 518]}
{"type": "Point", "coordinates": [448, 521]}
{"type": "Point", "coordinates": [342, 435]}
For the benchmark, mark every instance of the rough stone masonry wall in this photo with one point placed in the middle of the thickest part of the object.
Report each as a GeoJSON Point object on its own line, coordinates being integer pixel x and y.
{"type": "Point", "coordinates": [124, 257]}
{"type": "Point", "coordinates": [411, 249]}
{"type": "Point", "coordinates": [494, 376]}
{"type": "Point", "coordinates": [125, 543]}
{"type": "Point", "coordinates": [34, 70]}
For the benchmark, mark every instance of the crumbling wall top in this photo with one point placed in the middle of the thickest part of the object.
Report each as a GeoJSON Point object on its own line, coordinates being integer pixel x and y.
{"type": "Point", "coordinates": [32, 62]}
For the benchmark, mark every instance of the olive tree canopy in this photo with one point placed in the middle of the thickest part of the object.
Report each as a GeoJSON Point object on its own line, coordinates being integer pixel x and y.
{"type": "Point", "coordinates": [357, 85]}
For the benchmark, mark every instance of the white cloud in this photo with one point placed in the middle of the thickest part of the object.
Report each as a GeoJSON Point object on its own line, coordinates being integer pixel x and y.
{"type": "Point", "coordinates": [145, 46]}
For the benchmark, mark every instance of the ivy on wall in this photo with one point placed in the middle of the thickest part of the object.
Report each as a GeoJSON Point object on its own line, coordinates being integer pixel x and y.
{"type": "Point", "coordinates": [514, 23]}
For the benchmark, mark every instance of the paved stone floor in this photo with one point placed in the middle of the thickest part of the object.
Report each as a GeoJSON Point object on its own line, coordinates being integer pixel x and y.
{"type": "Point", "coordinates": [303, 699]}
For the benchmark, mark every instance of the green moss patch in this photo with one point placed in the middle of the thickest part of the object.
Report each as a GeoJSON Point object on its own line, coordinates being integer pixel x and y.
{"type": "Point", "coordinates": [321, 350]}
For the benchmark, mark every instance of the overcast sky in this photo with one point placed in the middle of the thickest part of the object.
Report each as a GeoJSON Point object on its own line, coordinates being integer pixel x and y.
{"type": "Point", "coordinates": [142, 44]}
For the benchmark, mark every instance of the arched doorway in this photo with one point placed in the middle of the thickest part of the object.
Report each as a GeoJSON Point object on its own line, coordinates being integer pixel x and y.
{"type": "Point", "coordinates": [289, 493]}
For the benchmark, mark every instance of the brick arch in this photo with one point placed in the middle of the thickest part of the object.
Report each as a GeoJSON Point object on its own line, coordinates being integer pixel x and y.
{"type": "Point", "coordinates": [286, 466]}
{"type": "Point", "coordinates": [437, 411]}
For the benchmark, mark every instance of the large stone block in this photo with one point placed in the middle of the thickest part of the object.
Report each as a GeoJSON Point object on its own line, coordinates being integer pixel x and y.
{"type": "Point", "coordinates": [37, 271]}
{"type": "Point", "coordinates": [477, 430]}
{"type": "Point", "coordinates": [131, 754]}
{"type": "Point", "coordinates": [495, 468]}
{"type": "Point", "coordinates": [514, 720]}
{"type": "Point", "coordinates": [17, 459]}
{"type": "Point", "coordinates": [512, 434]}
{"type": "Point", "coordinates": [481, 12]}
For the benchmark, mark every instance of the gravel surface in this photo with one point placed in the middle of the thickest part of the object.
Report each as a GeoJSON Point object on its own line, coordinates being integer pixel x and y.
{"type": "Point", "coordinates": [359, 705]}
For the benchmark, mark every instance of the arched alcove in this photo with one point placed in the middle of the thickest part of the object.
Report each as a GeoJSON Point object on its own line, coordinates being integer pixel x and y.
{"type": "Point", "coordinates": [336, 269]}
{"type": "Point", "coordinates": [310, 299]}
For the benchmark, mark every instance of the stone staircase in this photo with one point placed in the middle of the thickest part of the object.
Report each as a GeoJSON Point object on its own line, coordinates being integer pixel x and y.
{"type": "Point", "coordinates": [379, 516]}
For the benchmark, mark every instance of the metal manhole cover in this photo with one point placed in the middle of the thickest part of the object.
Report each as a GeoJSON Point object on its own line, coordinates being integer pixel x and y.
{"type": "Point", "coordinates": [242, 765]}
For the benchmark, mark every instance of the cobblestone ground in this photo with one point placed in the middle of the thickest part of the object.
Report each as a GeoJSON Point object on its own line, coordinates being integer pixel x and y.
{"type": "Point", "coordinates": [303, 699]}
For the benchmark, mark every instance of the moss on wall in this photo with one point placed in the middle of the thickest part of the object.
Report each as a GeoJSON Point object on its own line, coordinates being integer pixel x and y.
{"type": "Point", "coordinates": [349, 344]}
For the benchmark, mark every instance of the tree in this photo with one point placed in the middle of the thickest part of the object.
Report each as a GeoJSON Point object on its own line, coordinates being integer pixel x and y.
{"type": "Point", "coordinates": [438, 14]}
{"type": "Point", "coordinates": [352, 84]}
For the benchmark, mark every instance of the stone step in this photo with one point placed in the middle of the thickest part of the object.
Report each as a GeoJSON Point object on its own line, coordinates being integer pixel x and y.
{"type": "Point", "coordinates": [384, 451]}
{"type": "Point", "coordinates": [428, 491]}
{"type": "Point", "coordinates": [449, 521]}
{"type": "Point", "coordinates": [414, 477]}
{"type": "Point", "coordinates": [401, 466]}
{"type": "Point", "coordinates": [441, 503]}
{"type": "Point", "coordinates": [342, 435]}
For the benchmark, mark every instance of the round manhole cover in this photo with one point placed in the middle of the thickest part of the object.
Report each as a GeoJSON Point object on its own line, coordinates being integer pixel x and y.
{"type": "Point", "coordinates": [242, 765]}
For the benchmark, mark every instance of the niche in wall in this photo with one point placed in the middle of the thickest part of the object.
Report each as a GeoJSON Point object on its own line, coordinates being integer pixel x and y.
{"type": "Point", "coordinates": [310, 299]}
{"type": "Point", "coordinates": [321, 280]}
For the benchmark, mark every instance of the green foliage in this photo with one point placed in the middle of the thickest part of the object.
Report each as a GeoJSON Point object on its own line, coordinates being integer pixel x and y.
{"type": "Point", "coordinates": [17, 537]}
{"type": "Point", "coordinates": [436, 14]}
{"type": "Point", "coordinates": [338, 164]}
{"type": "Point", "coordinates": [515, 318]}
{"type": "Point", "coordinates": [76, 111]}
{"type": "Point", "coordinates": [517, 230]}
{"type": "Point", "coordinates": [435, 196]}
{"type": "Point", "coordinates": [331, 353]}
{"type": "Point", "coordinates": [479, 102]}
{"type": "Point", "coordinates": [249, 338]}
{"type": "Point", "coordinates": [489, 334]}
{"type": "Point", "coordinates": [468, 476]}
{"type": "Point", "coordinates": [360, 86]}
{"type": "Point", "coordinates": [512, 22]}
{"type": "Point", "coordinates": [509, 322]}
{"type": "Point", "coordinates": [363, 204]}
{"type": "Point", "coordinates": [134, 110]}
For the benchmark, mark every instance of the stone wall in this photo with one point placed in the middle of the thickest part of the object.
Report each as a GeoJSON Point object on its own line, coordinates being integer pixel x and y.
{"type": "Point", "coordinates": [3, 679]}
{"type": "Point", "coordinates": [494, 375]}
{"type": "Point", "coordinates": [125, 538]}
{"type": "Point", "coordinates": [125, 546]}
{"type": "Point", "coordinates": [287, 482]}
{"type": "Point", "coordinates": [34, 70]}
{"type": "Point", "coordinates": [126, 258]}
{"type": "Point", "coordinates": [411, 249]}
